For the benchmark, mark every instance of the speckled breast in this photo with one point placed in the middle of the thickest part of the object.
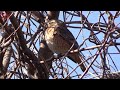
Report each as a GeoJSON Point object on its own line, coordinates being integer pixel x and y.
{"type": "Point", "coordinates": [56, 43]}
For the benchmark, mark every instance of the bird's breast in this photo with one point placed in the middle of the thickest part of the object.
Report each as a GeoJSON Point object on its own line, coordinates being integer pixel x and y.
{"type": "Point", "coordinates": [56, 43]}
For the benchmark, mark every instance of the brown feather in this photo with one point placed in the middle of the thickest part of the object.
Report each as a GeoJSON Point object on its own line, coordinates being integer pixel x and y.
{"type": "Point", "coordinates": [59, 39]}
{"type": "Point", "coordinates": [77, 58]}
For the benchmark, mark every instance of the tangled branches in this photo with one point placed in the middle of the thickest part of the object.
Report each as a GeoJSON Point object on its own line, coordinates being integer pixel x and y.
{"type": "Point", "coordinates": [25, 55]}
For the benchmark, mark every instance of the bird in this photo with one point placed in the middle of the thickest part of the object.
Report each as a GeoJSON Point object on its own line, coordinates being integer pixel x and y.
{"type": "Point", "coordinates": [45, 53]}
{"type": "Point", "coordinates": [59, 39]}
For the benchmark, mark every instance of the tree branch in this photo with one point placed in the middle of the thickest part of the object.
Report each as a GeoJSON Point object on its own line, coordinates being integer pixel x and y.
{"type": "Point", "coordinates": [53, 14]}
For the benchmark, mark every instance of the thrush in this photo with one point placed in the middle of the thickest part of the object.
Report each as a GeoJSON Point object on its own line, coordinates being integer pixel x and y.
{"type": "Point", "coordinates": [45, 53]}
{"type": "Point", "coordinates": [59, 39]}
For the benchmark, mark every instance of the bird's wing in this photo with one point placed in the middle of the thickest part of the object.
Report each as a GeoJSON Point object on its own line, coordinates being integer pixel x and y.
{"type": "Point", "coordinates": [67, 36]}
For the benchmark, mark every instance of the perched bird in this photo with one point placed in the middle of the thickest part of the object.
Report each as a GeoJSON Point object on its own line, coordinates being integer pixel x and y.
{"type": "Point", "coordinates": [59, 39]}
{"type": "Point", "coordinates": [45, 53]}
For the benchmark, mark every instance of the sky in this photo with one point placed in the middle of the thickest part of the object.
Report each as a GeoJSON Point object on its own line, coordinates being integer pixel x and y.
{"type": "Point", "coordinates": [93, 18]}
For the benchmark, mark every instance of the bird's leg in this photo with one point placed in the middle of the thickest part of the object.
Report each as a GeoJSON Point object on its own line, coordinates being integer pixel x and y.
{"type": "Point", "coordinates": [59, 55]}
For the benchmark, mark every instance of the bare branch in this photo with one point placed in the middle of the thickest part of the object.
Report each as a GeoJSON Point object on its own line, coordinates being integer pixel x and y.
{"type": "Point", "coordinates": [53, 14]}
{"type": "Point", "coordinates": [6, 58]}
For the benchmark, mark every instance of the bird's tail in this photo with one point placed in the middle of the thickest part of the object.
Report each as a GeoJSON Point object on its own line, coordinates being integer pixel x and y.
{"type": "Point", "coordinates": [77, 58]}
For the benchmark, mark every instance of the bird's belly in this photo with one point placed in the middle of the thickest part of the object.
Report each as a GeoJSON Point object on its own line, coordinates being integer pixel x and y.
{"type": "Point", "coordinates": [58, 45]}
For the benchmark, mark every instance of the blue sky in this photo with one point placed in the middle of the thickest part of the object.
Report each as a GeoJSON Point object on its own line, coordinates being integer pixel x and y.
{"type": "Point", "coordinates": [93, 18]}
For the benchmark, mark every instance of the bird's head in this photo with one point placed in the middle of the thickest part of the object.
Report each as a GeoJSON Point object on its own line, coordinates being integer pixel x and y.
{"type": "Point", "coordinates": [55, 26]}
{"type": "Point", "coordinates": [55, 23]}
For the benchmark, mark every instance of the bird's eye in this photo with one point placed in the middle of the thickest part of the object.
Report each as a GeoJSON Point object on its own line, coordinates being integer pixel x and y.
{"type": "Point", "coordinates": [51, 23]}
